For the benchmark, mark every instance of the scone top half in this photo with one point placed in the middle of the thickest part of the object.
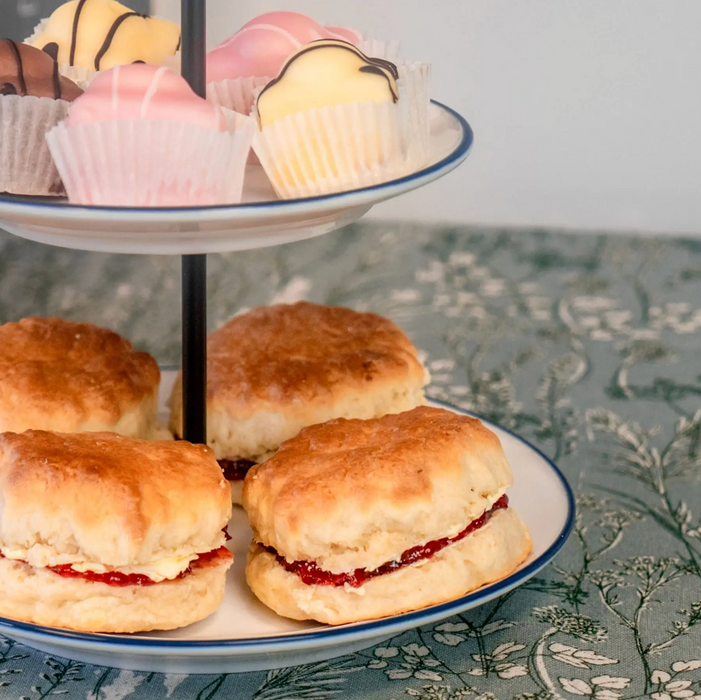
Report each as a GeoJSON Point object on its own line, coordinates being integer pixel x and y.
{"type": "Point", "coordinates": [74, 377]}
{"type": "Point", "coordinates": [100, 502]}
{"type": "Point", "coordinates": [353, 494]}
{"type": "Point", "coordinates": [274, 370]}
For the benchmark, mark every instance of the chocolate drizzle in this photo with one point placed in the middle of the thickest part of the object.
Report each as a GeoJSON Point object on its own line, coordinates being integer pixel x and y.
{"type": "Point", "coordinates": [52, 50]}
{"type": "Point", "coordinates": [20, 69]}
{"type": "Point", "coordinates": [386, 64]}
{"type": "Point", "coordinates": [74, 35]}
{"type": "Point", "coordinates": [111, 34]}
{"type": "Point", "coordinates": [374, 70]}
{"type": "Point", "coordinates": [57, 81]}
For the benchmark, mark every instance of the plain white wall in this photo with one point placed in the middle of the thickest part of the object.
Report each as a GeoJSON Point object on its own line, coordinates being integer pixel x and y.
{"type": "Point", "coordinates": [586, 113]}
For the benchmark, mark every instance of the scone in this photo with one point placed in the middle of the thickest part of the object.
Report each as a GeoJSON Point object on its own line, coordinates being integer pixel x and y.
{"type": "Point", "coordinates": [102, 533]}
{"type": "Point", "coordinates": [75, 377]}
{"type": "Point", "coordinates": [276, 369]}
{"type": "Point", "coordinates": [355, 520]}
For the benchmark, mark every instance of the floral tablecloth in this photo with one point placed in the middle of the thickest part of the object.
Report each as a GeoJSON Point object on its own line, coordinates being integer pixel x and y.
{"type": "Point", "coordinates": [588, 345]}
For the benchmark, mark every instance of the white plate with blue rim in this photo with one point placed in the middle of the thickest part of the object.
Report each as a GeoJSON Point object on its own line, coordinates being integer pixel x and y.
{"type": "Point", "coordinates": [260, 220]}
{"type": "Point", "coordinates": [244, 635]}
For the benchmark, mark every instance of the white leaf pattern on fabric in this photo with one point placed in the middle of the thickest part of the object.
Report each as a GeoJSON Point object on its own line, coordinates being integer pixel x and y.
{"type": "Point", "coordinates": [576, 686]}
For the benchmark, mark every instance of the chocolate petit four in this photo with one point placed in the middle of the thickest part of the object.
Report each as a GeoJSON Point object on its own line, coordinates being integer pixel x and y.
{"type": "Point", "coordinates": [34, 97]}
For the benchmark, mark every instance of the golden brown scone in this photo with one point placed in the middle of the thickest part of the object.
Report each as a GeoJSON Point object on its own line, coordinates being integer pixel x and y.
{"type": "Point", "coordinates": [104, 533]}
{"type": "Point", "coordinates": [74, 377]}
{"type": "Point", "coordinates": [355, 520]}
{"type": "Point", "coordinates": [102, 498]}
{"type": "Point", "coordinates": [353, 494]}
{"type": "Point", "coordinates": [487, 555]}
{"type": "Point", "coordinates": [276, 369]}
{"type": "Point", "coordinates": [44, 598]}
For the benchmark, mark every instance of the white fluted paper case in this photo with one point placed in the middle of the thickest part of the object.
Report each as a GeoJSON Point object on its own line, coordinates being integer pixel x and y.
{"type": "Point", "coordinates": [350, 146]}
{"type": "Point", "coordinates": [84, 76]}
{"type": "Point", "coordinates": [144, 163]}
{"type": "Point", "coordinates": [237, 94]}
{"type": "Point", "coordinates": [26, 166]}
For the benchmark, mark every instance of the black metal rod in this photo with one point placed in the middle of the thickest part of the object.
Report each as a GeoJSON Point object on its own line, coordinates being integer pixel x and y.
{"type": "Point", "coordinates": [194, 40]}
{"type": "Point", "coordinates": [194, 273]}
{"type": "Point", "coordinates": [194, 267]}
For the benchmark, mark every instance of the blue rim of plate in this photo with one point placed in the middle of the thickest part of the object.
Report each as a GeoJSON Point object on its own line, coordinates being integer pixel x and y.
{"type": "Point", "coordinates": [458, 154]}
{"type": "Point", "coordinates": [329, 635]}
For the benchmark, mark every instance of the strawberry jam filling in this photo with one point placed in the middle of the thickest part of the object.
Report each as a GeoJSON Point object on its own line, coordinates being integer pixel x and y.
{"type": "Point", "coordinates": [117, 578]}
{"type": "Point", "coordinates": [312, 575]}
{"type": "Point", "coordinates": [236, 469]}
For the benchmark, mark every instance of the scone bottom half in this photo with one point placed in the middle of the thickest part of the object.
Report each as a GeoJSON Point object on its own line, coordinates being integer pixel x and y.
{"type": "Point", "coordinates": [484, 548]}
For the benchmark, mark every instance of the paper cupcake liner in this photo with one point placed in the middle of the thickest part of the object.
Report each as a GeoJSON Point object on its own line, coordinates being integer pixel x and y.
{"type": "Point", "coordinates": [415, 102]}
{"type": "Point", "coordinates": [237, 94]}
{"type": "Point", "coordinates": [26, 166]}
{"type": "Point", "coordinates": [84, 76]}
{"type": "Point", "coordinates": [143, 163]}
{"type": "Point", "coordinates": [346, 147]}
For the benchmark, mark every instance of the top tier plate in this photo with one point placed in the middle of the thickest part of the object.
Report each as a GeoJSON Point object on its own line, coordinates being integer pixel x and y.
{"type": "Point", "coordinates": [261, 220]}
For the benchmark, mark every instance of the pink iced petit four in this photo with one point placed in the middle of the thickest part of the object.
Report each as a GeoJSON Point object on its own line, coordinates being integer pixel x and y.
{"type": "Point", "coordinates": [139, 136]}
{"type": "Point", "coordinates": [143, 91]}
{"type": "Point", "coordinates": [262, 45]}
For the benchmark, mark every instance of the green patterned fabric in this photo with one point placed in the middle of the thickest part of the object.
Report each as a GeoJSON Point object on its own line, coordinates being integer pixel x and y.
{"type": "Point", "coordinates": [587, 345]}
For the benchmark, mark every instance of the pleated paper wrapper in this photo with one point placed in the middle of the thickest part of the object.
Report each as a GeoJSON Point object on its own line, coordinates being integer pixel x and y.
{"type": "Point", "coordinates": [142, 163]}
{"type": "Point", "coordinates": [84, 76]}
{"type": "Point", "coordinates": [350, 146]}
{"type": "Point", "coordinates": [237, 94]}
{"type": "Point", "coordinates": [26, 166]}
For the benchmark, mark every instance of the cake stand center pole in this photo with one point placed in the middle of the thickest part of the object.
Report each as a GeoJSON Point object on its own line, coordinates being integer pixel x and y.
{"type": "Point", "coordinates": [194, 267]}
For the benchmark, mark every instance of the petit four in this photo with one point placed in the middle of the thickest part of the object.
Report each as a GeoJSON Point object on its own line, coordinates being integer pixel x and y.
{"type": "Point", "coordinates": [102, 533]}
{"type": "Point", "coordinates": [86, 36]}
{"type": "Point", "coordinates": [75, 377]}
{"type": "Point", "coordinates": [326, 74]}
{"type": "Point", "coordinates": [33, 99]}
{"type": "Point", "coordinates": [355, 520]}
{"type": "Point", "coordinates": [140, 136]}
{"type": "Point", "coordinates": [276, 369]}
{"type": "Point", "coordinates": [256, 53]}
{"type": "Point", "coordinates": [335, 119]}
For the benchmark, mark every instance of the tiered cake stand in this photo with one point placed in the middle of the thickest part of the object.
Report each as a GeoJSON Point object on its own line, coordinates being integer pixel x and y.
{"type": "Point", "coordinates": [243, 635]}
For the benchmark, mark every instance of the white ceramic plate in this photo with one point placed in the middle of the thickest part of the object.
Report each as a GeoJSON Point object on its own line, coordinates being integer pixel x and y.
{"type": "Point", "coordinates": [261, 220]}
{"type": "Point", "coordinates": [243, 635]}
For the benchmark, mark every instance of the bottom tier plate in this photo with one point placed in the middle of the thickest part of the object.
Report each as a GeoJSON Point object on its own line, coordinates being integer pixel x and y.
{"type": "Point", "coordinates": [243, 635]}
